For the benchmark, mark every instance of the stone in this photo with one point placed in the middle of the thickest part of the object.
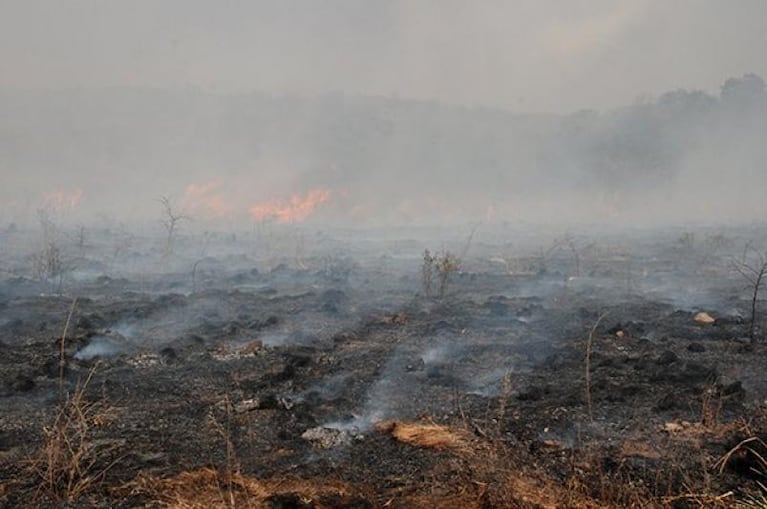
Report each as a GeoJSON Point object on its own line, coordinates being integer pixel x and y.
{"type": "Point", "coordinates": [704, 318]}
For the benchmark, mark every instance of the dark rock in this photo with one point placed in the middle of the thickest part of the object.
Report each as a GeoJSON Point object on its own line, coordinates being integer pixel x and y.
{"type": "Point", "coordinates": [667, 357]}
{"type": "Point", "coordinates": [696, 348]}
{"type": "Point", "coordinates": [734, 391]}
{"type": "Point", "coordinates": [531, 393]}
{"type": "Point", "coordinates": [268, 402]}
{"type": "Point", "coordinates": [288, 501]}
{"type": "Point", "coordinates": [168, 355]}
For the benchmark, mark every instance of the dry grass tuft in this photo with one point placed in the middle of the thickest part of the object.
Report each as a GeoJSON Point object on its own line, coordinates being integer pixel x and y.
{"type": "Point", "coordinates": [70, 461]}
{"type": "Point", "coordinates": [430, 436]}
{"type": "Point", "coordinates": [208, 488]}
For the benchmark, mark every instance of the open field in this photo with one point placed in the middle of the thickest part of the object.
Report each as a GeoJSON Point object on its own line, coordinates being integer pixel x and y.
{"type": "Point", "coordinates": [292, 368]}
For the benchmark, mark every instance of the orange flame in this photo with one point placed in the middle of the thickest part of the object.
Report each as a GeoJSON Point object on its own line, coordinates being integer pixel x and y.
{"type": "Point", "coordinates": [204, 199]}
{"type": "Point", "coordinates": [294, 210]}
{"type": "Point", "coordinates": [60, 200]}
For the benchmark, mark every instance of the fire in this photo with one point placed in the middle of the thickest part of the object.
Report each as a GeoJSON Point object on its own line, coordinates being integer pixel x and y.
{"type": "Point", "coordinates": [61, 200]}
{"type": "Point", "coordinates": [206, 199]}
{"type": "Point", "coordinates": [294, 210]}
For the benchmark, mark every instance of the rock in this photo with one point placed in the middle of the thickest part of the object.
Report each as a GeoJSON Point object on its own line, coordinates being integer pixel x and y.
{"type": "Point", "coordinates": [252, 347]}
{"type": "Point", "coordinates": [675, 427]}
{"type": "Point", "coordinates": [328, 438]}
{"type": "Point", "coordinates": [734, 391]}
{"type": "Point", "coordinates": [615, 329]}
{"type": "Point", "coordinates": [168, 355]}
{"type": "Point", "coordinates": [247, 405]}
{"type": "Point", "coordinates": [696, 348]}
{"type": "Point", "coordinates": [667, 357]}
{"type": "Point", "coordinates": [532, 393]}
{"type": "Point", "coordinates": [704, 318]}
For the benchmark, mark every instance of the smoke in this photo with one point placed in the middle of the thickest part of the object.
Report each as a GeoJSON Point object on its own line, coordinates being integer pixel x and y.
{"type": "Point", "coordinates": [381, 114]}
{"type": "Point", "coordinates": [99, 347]}
{"type": "Point", "coordinates": [687, 156]}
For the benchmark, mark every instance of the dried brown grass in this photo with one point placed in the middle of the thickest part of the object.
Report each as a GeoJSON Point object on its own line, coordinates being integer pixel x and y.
{"type": "Point", "coordinates": [71, 462]}
{"type": "Point", "coordinates": [208, 488]}
{"type": "Point", "coordinates": [426, 435]}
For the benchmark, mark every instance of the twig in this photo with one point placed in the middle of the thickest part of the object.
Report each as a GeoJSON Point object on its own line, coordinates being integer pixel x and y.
{"type": "Point", "coordinates": [62, 360]}
{"type": "Point", "coordinates": [589, 342]}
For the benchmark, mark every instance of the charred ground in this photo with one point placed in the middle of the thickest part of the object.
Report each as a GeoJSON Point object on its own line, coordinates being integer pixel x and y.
{"type": "Point", "coordinates": [279, 375]}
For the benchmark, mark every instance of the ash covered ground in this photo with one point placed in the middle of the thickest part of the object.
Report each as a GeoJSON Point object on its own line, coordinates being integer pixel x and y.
{"type": "Point", "coordinates": [296, 367]}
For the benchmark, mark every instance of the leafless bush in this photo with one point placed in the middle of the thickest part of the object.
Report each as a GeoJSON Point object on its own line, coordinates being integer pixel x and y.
{"type": "Point", "coordinates": [170, 220]}
{"type": "Point", "coordinates": [427, 272]}
{"type": "Point", "coordinates": [81, 238]}
{"type": "Point", "coordinates": [587, 365]}
{"type": "Point", "coordinates": [753, 271]}
{"type": "Point", "coordinates": [48, 261]}
{"type": "Point", "coordinates": [447, 263]}
{"type": "Point", "coordinates": [469, 239]}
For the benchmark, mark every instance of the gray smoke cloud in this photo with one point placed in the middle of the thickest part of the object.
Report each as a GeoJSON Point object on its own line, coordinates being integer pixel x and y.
{"type": "Point", "coordinates": [369, 113]}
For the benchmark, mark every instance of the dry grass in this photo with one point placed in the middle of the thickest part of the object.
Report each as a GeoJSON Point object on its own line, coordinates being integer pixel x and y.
{"type": "Point", "coordinates": [208, 488]}
{"type": "Point", "coordinates": [429, 435]}
{"type": "Point", "coordinates": [71, 462]}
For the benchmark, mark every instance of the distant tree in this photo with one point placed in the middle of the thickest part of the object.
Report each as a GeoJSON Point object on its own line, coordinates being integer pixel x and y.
{"type": "Point", "coordinates": [170, 221]}
{"type": "Point", "coordinates": [754, 273]}
{"type": "Point", "coordinates": [680, 105]}
{"type": "Point", "coordinates": [744, 92]}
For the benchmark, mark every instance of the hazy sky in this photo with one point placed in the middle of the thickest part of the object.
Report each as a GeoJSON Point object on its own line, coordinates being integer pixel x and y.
{"type": "Point", "coordinates": [530, 55]}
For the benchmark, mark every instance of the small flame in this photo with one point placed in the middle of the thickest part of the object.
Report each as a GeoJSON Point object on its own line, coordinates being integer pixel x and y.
{"type": "Point", "coordinates": [60, 200]}
{"type": "Point", "coordinates": [294, 210]}
{"type": "Point", "coordinates": [206, 200]}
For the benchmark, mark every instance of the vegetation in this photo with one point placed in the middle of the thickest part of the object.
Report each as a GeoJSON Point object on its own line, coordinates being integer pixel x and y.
{"type": "Point", "coordinates": [753, 271]}
{"type": "Point", "coordinates": [170, 219]}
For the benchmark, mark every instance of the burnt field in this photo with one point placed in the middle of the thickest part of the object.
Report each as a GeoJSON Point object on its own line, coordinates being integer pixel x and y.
{"type": "Point", "coordinates": [294, 368]}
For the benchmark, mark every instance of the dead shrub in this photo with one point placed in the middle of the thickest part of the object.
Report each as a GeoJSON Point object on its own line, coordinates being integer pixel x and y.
{"type": "Point", "coordinates": [71, 461]}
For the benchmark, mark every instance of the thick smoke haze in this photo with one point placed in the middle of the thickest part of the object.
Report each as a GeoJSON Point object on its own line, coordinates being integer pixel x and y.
{"type": "Point", "coordinates": [384, 113]}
